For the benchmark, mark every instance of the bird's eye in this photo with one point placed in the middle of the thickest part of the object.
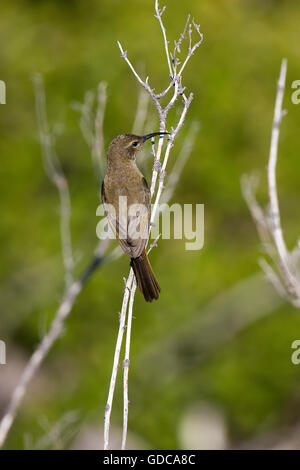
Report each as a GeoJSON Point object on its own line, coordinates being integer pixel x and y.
{"type": "Point", "coordinates": [135, 143]}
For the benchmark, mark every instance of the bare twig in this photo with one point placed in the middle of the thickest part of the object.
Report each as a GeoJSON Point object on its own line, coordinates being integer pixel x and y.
{"type": "Point", "coordinates": [162, 174]}
{"type": "Point", "coordinates": [86, 116]}
{"type": "Point", "coordinates": [141, 113]}
{"type": "Point", "coordinates": [180, 162]}
{"type": "Point", "coordinates": [286, 280]}
{"type": "Point", "coordinates": [141, 121]}
{"type": "Point", "coordinates": [272, 277]}
{"type": "Point", "coordinates": [73, 287]}
{"type": "Point", "coordinates": [158, 15]}
{"type": "Point", "coordinates": [56, 175]}
{"type": "Point", "coordinates": [154, 244]}
{"type": "Point", "coordinates": [177, 44]}
{"type": "Point", "coordinates": [249, 185]}
{"type": "Point", "coordinates": [276, 229]}
{"type": "Point", "coordinates": [126, 363]}
{"type": "Point", "coordinates": [192, 47]}
{"type": "Point", "coordinates": [55, 331]}
{"type": "Point", "coordinates": [108, 406]}
{"type": "Point", "coordinates": [144, 84]}
{"type": "Point", "coordinates": [98, 152]}
{"type": "Point", "coordinates": [56, 435]}
{"type": "Point", "coordinates": [91, 125]}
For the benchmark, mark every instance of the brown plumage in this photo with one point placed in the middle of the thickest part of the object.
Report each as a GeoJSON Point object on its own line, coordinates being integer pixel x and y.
{"type": "Point", "coordinates": [145, 277]}
{"type": "Point", "coordinates": [124, 179]}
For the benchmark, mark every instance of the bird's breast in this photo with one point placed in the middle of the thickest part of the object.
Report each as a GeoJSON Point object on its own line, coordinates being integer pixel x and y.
{"type": "Point", "coordinates": [126, 184]}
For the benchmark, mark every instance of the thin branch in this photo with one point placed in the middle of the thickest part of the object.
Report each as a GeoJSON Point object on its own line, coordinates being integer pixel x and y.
{"type": "Point", "coordinates": [165, 92]}
{"type": "Point", "coordinates": [177, 44]}
{"type": "Point", "coordinates": [98, 152]}
{"type": "Point", "coordinates": [286, 280]}
{"type": "Point", "coordinates": [86, 116]}
{"type": "Point", "coordinates": [272, 277]}
{"type": "Point", "coordinates": [249, 185]}
{"type": "Point", "coordinates": [158, 15]}
{"type": "Point", "coordinates": [56, 175]}
{"type": "Point", "coordinates": [156, 166]}
{"type": "Point", "coordinates": [72, 290]}
{"type": "Point", "coordinates": [276, 229]}
{"type": "Point", "coordinates": [180, 162]}
{"type": "Point", "coordinates": [112, 385]}
{"type": "Point", "coordinates": [193, 47]}
{"type": "Point", "coordinates": [166, 157]}
{"type": "Point", "coordinates": [173, 100]}
{"type": "Point", "coordinates": [154, 244]}
{"type": "Point", "coordinates": [57, 435]}
{"type": "Point", "coordinates": [126, 363]}
{"type": "Point", "coordinates": [55, 331]}
{"type": "Point", "coordinates": [141, 113]}
{"type": "Point", "coordinates": [144, 84]}
{"type": "Point", "coordinates": [91, 125]}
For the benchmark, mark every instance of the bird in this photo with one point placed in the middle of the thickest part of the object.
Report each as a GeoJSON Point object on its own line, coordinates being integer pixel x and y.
{"type": "Point", "coordinates": [126, 199]}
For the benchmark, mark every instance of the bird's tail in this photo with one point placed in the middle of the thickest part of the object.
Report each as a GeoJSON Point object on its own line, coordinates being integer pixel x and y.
{"type": "Point", "coordinates": [145, 277]}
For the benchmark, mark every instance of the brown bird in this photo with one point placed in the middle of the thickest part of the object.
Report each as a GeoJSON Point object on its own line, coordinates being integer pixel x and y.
{"type": "Point", "coordinates": [127, 202]}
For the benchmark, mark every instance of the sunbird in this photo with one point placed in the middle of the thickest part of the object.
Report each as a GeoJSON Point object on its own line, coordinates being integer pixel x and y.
{"type": "Point", "coordinates": [127, 203]}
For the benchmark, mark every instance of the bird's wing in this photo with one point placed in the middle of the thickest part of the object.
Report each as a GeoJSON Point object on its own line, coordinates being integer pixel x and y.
{"type": "Point", "coordinates": [130, 228]}
{"type": "Point", "coordinates": [139, 223]}
{"type": "Point", "coordinates": [118, 228]}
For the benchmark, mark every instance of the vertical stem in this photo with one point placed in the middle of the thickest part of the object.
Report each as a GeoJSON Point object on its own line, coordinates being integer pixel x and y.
{"type": "Point", "coordinates": [126, 365]}
{"type": "Point", "coordinates": [112, 384]}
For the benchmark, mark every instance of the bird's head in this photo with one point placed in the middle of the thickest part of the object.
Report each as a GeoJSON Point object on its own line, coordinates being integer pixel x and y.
{"type": "Point", "coordinates": [126, 146]}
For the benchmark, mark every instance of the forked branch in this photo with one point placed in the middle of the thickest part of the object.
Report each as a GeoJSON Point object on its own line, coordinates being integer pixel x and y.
{"type": "Point", "coordinates": [284, 274]}
{"type": "Point", "coordinates": [158, 173]}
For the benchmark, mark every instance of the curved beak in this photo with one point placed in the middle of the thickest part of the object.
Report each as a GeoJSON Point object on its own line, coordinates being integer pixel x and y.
{"type": "Point", "coordinates": [148, 136]}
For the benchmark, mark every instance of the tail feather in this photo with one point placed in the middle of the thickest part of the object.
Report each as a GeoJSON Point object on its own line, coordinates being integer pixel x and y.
{"type": "Point", "coordinates": [145, 278]}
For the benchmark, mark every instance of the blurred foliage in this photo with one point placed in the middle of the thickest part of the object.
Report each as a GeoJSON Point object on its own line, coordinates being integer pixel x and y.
{"type": "Point", "coordinates": [233, 77]}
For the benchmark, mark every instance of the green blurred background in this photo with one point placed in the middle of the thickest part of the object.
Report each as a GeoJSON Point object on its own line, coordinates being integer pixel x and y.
{"type": "Point", "coordinates": [218, 341]}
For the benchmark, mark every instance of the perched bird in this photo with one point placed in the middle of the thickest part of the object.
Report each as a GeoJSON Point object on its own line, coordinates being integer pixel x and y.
{"type": "Point", "coordinates": [127, 203]}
